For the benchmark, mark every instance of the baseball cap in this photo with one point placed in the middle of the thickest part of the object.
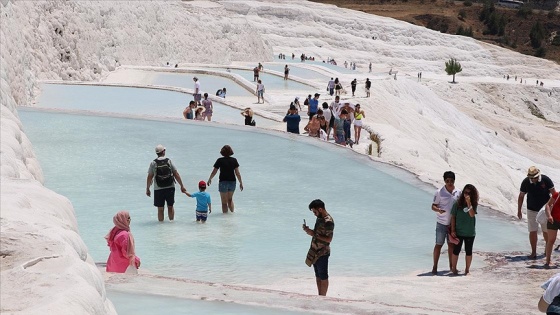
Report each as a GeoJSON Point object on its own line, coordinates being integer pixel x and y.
{"type": "Point", "coordinates": [202, 184]}
{"type": "Point", "coordinates": [160, 148]}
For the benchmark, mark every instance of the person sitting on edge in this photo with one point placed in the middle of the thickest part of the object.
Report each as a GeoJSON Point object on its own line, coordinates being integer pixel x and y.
{"type": "Point", "coordinates": [203, 202]}
{"type": "Point", "coordinates": [223, 93]}
{"type": "Point", "coordinates": [248, 114]}
{"type": "Point", "coordinates": [313, 126]}
{"type": "Point", "coordinates": [188, 113]}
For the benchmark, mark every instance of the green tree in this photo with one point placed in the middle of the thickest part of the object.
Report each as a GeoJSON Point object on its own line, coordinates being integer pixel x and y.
{"type": "Point", "coordinates": [453, 67]}
{"type": "Point", "coordinates": [537, 34]}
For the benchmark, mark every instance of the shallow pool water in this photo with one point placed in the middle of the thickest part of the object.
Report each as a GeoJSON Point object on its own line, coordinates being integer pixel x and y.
{"type": "Point", "coordinates": [132, 101]}
{"type": "Point", "coordinates": [274, 82]}
{"type": "Point", "coordinates": [339, 67]}
{"type": "Point", "coordinates": [384, 225]}
{"type": "Point", "coordinates": [208, 83]}
{"type": "Point", "coordinates": [297, 71]}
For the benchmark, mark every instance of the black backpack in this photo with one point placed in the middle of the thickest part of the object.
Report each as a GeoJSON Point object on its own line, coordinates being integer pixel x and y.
{"type": "Point", "coordinates": [218, 92]}
{"type": "Point", "coordinates": [164, 174]}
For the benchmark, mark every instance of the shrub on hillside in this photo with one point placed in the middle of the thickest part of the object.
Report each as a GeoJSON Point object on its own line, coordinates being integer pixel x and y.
{"type": "Point", "coordinates": [462, 14]}
{"type": "Point", "coordinates": [524, 12]}
{"type": "Point", "coordinates": [540, 52]}
{"type": "Point", "coordinates": [486, 11]}
{"type": "Point", "coordinates": [467, 3]}
{"type": "Point", "coordinates": [537, 34]}
{"type": "Point", "coordinates": [464, 31]}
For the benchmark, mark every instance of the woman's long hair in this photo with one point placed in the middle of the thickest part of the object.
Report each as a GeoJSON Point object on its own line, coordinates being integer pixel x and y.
{"type": "Point", "coordinates": [121, 221]}
{"type": "Point", "coordinates": [473, 193]}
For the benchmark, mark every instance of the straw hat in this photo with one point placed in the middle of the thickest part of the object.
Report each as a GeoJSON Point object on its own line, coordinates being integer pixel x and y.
{"type": "Point", "coordinates": [533, 172]}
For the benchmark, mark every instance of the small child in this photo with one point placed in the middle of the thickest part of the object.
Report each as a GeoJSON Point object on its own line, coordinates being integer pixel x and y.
{"type": "Point", "coordinates": [203, 202]}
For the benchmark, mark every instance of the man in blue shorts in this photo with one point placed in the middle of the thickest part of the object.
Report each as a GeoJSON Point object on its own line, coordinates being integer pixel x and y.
{"type": "Point", "coordinates": [163, 174]}
{"type": "Point", "coordinates": [319, 252]}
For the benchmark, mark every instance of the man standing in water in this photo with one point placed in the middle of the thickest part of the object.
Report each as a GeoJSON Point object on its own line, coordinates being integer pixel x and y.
{"type": "Point", "coordinates": [319, 252]}
{"type": "Point", "coordinates": [538, 189]}
{"type": "Point", "coordinates": [442, 204]}
{"type": "Point", "coordinates": [197, 96]}
{"type": "Point", "coordinates": [165, 175]}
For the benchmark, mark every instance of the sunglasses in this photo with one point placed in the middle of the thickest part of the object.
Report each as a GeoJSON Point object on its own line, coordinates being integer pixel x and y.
{"type": "Point", "coordinates": [449, 180]}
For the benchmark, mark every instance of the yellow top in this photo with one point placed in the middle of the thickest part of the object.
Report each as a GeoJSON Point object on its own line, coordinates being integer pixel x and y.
{"type": "Point", "coordinates": [358, 115]}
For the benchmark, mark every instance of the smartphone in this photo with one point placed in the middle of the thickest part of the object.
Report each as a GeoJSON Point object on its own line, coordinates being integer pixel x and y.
{"type": "Point", "coordinates": [304, 222]}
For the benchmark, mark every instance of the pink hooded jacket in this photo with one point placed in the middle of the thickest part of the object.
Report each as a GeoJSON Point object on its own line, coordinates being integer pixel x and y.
{"type": "Point", "coordinates": [121, 243]}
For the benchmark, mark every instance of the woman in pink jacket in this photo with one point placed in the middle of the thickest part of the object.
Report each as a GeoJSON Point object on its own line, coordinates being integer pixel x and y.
{"type": "Point", "coordinates": [121, 243]}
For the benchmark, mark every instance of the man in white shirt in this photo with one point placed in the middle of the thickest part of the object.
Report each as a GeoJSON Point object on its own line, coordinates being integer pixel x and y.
{"type": "Point", "coordinates": [550, 300]}
{"type": "Point", "coordinates": [442, 204]}
{"type": "Point", "coordinates": [336, 106]}
{"type": "Point", "coordinates": [197, 95]}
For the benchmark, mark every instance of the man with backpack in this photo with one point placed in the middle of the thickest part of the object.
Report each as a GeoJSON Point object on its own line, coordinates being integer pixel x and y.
{"type": "Point", "coordinates": [163, 174]}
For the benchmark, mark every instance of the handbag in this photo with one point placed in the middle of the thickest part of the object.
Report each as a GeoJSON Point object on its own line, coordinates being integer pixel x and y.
{"type": "Point", "coordinates": [450, 238]}
{"type": "Point", "coordinates": [131, 270]}
{"type": "Point", "coordinates": [542, 217]}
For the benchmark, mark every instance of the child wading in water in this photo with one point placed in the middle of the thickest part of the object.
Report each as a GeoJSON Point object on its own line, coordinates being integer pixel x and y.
{"type": "Point", "coordinates": [203, 202]}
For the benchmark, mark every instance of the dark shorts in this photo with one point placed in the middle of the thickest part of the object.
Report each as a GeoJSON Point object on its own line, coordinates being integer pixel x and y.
{"type": "Point", "coordinates": [311, 115]}
{"type": "Point", "coordinates": [321, 267]}
{"type": "Point", "coordinates": [226, 186]}
{"type": "Point", "coordinates": [553, 226]}
{"type": "Point", "coordinates": [197, 97]}
{"type": "Point", "coordinates": [161, 196]}
{"type": "Point", "coordinates": [201, 216]}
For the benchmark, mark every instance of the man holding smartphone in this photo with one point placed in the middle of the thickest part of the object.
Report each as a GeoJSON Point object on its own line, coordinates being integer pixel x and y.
{"type": "Point", "coordinates": [319, 251]}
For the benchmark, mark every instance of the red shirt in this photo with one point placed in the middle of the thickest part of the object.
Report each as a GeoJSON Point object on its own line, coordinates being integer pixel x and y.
{"type": "Point", "coordinates": [556, 208]}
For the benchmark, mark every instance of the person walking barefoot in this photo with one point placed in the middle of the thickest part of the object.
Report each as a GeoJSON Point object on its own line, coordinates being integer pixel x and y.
{"type": "Point", "coordinates": [463, 222]}
{"type": "Point", "coordinates": [229, 170]}
{"type": "Point", "coordinates": [358, 115]}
